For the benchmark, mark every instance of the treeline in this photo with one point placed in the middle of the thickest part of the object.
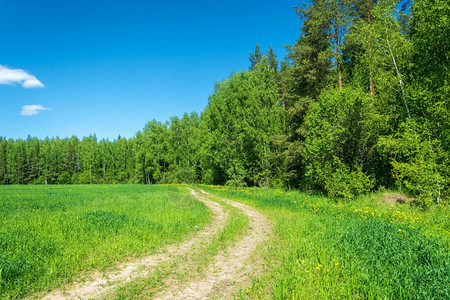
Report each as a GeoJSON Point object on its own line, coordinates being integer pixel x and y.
{"type": "Point", "coordinates": [160, 153]}
{"type": "Point", "coordinates": [360, 102]}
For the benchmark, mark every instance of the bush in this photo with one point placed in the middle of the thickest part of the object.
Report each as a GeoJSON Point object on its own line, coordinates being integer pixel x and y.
{"type": "Point", "coordinates": [420, 165]}
{"type": "Point", "coordinates": [347, 184]}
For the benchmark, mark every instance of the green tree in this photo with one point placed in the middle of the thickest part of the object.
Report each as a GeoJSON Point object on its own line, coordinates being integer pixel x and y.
{"type": "Point", "coordinates": [3, 158]}
{"type": "Point", "coordinates": [338, 143]}
{"type": "Point", "coordinates": [255, 58]}
{"type": "Point", "coordinates": [242, 116]}
{"type": "Point", "coordinates": [272, 58]}
{"type": "Point", "coordinates": [89, 160]}
{"type": "Point", "coordinates": [35, 170]}
{"type": "Point", "coordinates": [22, 163]}
{"type": "Point", "coordinates": [306, 71]}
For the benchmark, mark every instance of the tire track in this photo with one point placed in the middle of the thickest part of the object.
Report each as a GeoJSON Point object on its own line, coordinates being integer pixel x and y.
{"type": "Point", "coordinates": [231, 269]}
{"type": "Point", "coordinates": [102, 283]}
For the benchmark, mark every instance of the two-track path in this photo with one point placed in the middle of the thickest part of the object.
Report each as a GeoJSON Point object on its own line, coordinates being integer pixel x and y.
{"type": "Point", "coordinates": [229, 271]}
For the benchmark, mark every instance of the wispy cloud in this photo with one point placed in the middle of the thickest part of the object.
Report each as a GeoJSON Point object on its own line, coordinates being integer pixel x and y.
{"type": "Point", "coordinates": [18, 76]}
{"type": "Point", "coordinates": [31, 110]}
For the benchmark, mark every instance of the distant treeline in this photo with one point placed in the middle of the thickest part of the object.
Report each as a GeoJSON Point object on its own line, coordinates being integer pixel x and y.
{"type": "Point", "coordinates": [360, 102]}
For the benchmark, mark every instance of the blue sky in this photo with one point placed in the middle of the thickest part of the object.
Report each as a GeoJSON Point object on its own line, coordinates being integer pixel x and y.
{"type": "Point", "coordinates": [108, 67]}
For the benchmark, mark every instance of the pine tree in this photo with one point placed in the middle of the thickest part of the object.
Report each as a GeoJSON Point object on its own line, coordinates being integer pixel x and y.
{"type": "Point", "coordinates": [340, 13]}
{"type": "Point", "coordinates": [306, 71]}
{"type": "Point", "coordinates": [3, 177]}
{"type": "Point", "coordinates": [272, 58]}
{"type": "Point", "coordinates": [255, 58]}
{"type": "Point", "coordinates": [35, 162]}
{"type": "Point", "coordinates": [22, 164]}
{"type": "Point", "coordinates": [69, 160]}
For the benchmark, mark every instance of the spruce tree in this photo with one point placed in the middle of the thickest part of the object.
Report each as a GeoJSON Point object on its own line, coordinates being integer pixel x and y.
{"type": "Point", "coordinates": [35, 162]}
{"type": "Point", "coordinates": [272, 58]}
{"type": "Point", "coordinates": [22, 164]}
{"type": "Point", "coordinates": [255, 58]}
{"type": "Point", "coordinates": [3, 177]}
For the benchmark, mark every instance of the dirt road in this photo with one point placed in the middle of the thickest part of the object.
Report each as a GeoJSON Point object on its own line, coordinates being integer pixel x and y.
{"type": "Point", "coordinates": [230, 270]}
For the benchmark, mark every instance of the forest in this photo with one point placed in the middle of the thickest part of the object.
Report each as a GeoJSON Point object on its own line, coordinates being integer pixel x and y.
{"type": "Point", "coordinates": [361, 102]}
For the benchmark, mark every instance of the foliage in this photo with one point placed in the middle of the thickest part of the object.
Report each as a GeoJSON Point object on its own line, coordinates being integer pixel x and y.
{"type": "Point", "coordinates": [338, 143]}
{"type": "Point", "coordinates": [239, 122]}
{"type": "Point", "coordinates": [419, 163]}
{"type": "Point", "coordinates": [360, 102]}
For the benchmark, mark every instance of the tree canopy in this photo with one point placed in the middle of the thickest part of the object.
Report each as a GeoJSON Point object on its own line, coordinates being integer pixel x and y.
{"type": "Point", "coordinates": [360, 102]}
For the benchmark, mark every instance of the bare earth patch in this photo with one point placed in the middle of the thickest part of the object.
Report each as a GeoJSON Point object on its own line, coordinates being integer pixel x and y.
{"type": "Point", "coordinates": [232, 269]}
{"type": "Point", "coordinates": [102, 283]}
{"type": "Point", "coordinates": [396, 198]}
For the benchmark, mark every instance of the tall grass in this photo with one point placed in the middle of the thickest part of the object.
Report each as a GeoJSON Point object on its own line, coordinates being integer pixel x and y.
{"type": "Point", "coordinates": [51, 234]}
{"type": "Point", "coordinates": [362, 249]}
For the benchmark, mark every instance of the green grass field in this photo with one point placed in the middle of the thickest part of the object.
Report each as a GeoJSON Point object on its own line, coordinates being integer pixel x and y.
{"type": "Point", "coordinates": [320, 249]}
{"type": "Point", "coordinates": [49, 235]}
{"type": "Point", "coordinates": [363, 249]}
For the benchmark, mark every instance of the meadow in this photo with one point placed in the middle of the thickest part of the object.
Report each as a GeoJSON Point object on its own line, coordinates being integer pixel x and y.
{"type": "Point", "coordinates": [50, 235]}
{"type": "Point", "coordinates": [361, 249]}
{"type": "Point", "coordinates": [319, 248]}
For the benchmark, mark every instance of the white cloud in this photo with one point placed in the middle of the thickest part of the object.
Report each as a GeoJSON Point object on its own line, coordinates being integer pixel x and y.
{"type": "Point", "coordinates": [31, 110]}
{"type": "Point", "coordinates": [18, 76]}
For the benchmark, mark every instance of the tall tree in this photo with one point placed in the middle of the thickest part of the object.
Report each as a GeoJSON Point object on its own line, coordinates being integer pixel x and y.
{"type": "Point", "coordinates": [255, 58]}
{"type": "Point", "coordinates": [340, 13]}
{"type": "Point", "coordinates": [242, 116]}
{"type": "Point", "coordinates": [22, 163]}
{"type": "Point", "coordinates": [35, 169]}
{"type": "Point", "coordinates": [306, 71]}
{"type": "Point", "coordinates": [430, 35]}
{"type": "Point", "coordinates": [272, 58]}
{"type": "Point", "coordinates": [3, 159]}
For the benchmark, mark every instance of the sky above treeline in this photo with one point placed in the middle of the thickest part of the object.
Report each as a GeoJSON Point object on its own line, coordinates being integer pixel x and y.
{"type": "Point", "coordinates": [106, 67]}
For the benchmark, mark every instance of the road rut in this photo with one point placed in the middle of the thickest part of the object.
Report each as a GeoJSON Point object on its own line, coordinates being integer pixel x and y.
{"type": "Point", "coordinates": [102, 283]}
